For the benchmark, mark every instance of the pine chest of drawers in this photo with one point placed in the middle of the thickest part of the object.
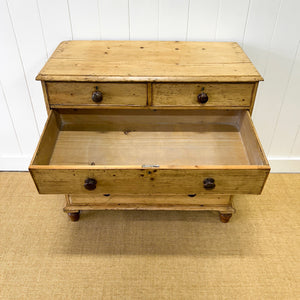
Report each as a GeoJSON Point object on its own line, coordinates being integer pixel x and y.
{"type": "Point", "coordinates": [149, 125]}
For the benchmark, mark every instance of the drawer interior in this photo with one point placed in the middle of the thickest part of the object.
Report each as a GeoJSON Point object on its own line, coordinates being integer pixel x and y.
{"type": "Point", "coordinates": [145, 138]}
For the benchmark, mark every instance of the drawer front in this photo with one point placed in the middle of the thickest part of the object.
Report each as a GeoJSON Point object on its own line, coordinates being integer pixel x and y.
{"type": "Point", "coordinates": [96, 94]}
{"type": "Point", "coordinates": [149, 181]}
{"type": "Point", "coordinates": [194, 94]}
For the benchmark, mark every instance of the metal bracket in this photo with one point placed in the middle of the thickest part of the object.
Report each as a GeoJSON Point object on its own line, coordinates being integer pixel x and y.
{"type": "Point", "coordinates": [150, 166]}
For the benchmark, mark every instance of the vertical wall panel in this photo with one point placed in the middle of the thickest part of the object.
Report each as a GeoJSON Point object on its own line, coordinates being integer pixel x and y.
{"type": "Point", "coordinates": [295, 151]}
{"type": "Point", "coordinates": [14, 84]}
{"type": "Point", "coordinates": [232, 20]}
{"type": "Point", "coordinates": [9, 143]}
{"type": "Point", "coordinates": [203, 16]}
{"type": "Point", "coordinates": [27, 26]}
{"type": "Point", "coordinates": [173, 19]}
{"type": "Point", "coordinates": [114, 20]}
{"type": "Point", "coordinates": [281, 58]}
{"type": "Point", "coordinates": [259, 31]}
{"type": "Point", "coordinates": [55, 21]}
{"type": "Point", "coordinates": [286, 132]}
{"type": "Point", "coordinates": [262, 18]}
{"type": "Point", "coordinates": [143, 19]}
{"type": "Point", "coordinates": [85, 19]}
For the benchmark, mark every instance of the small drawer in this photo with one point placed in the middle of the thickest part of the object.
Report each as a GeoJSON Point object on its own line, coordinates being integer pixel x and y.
{"type": "Point", "coordinates": [96, 94]}
{"type": "Point", "coordinates": [149, 152]}
{"type": "Point", "coordinates": [203, 94]}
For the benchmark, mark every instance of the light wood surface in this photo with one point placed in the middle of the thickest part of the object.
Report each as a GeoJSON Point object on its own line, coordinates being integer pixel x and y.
{"type": "Point", "coordinates": [219, 203]}
{"type": "Point", "coordinates": [149, 98]}
{"type": "Point", "coordinates": [184, 149]}
{"type": "Point", "coordinates": [143, 181]}
{"type": "Point", "coordinates": [45, 147]}
{"type": "Point", "coordinates": [149, 61]}
{"type": "Point", "coordinates": [225, 209]}
{"type": "Point", "coordinates": [251, 140]}
{"type": "Point", "coordinates": [147, 137]}
{"type": "Point", "coordinates": [134, 107]}
{"type": "Point", "coordinates": [46, 98]}
{"type": "Point", "coordinates": [219, 94]}
{"type": "Point", "coordinates": [129, 120]}
{"type": "Point", "coordinates": [74, 93]}
{"type": "Point", "coordinates": [158, 138]}
{"type": "Point", "coordinates": [144, 199]}
{"type": "Point", "coordinates": [211, 144]}
{"type": "Point", "coordinates": [254, 92]}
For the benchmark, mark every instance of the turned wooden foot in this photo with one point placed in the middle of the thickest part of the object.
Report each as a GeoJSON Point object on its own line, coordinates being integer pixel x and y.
{"type": "Point", "coordinates": [224, 218]}
{"type": "Point", "coordinates": [74, 216]}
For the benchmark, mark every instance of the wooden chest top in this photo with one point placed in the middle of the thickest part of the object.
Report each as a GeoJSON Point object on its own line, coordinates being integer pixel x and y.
{"type": "Point", "coordinates": [149, 61]}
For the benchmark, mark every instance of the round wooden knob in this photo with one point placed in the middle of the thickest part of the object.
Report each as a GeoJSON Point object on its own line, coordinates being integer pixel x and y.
{"type": "Point", "coordinates": [97, 96]}
{"type": "Point", "coordinates": [209, 183]}
{"type": "Point", "coordinates": [90, 184]}
{"type": "Point", "coordinates": [202, 98]}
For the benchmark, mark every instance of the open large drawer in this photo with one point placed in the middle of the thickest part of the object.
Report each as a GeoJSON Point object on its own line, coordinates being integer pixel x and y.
{"type": "Point", "coordinates": [149, 152]}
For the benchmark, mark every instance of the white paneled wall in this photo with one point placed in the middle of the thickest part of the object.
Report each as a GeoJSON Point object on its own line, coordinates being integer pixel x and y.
{"type": "Point", "coordinates": [268, 30]}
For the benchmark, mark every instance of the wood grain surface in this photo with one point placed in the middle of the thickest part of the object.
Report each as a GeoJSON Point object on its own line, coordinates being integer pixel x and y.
{"type": "Point", "coordinates": [119, 148]}
{"type": "Point", "coordinates": [193, 202]}
{"type": "Point", "coordinates": [70, 180]}
{"type": "Point", "coordinates": [75, 93]}
{"type": "Point", "coordinates": [149, 61]}
{"type": "Point", "coordinates": [219, 94]}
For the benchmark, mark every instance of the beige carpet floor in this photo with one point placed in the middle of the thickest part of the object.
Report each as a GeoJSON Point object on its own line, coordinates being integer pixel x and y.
{"type": "Point", "coordinates": [149, 255]}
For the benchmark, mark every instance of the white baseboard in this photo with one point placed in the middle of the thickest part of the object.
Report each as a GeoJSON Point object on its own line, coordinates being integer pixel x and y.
{"type": "Point", "coordinates": [278, 164]}
{"type": "Point", "coordinates": [14, 163]}
{"type": "Point", "coordinates": [284, 164]}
